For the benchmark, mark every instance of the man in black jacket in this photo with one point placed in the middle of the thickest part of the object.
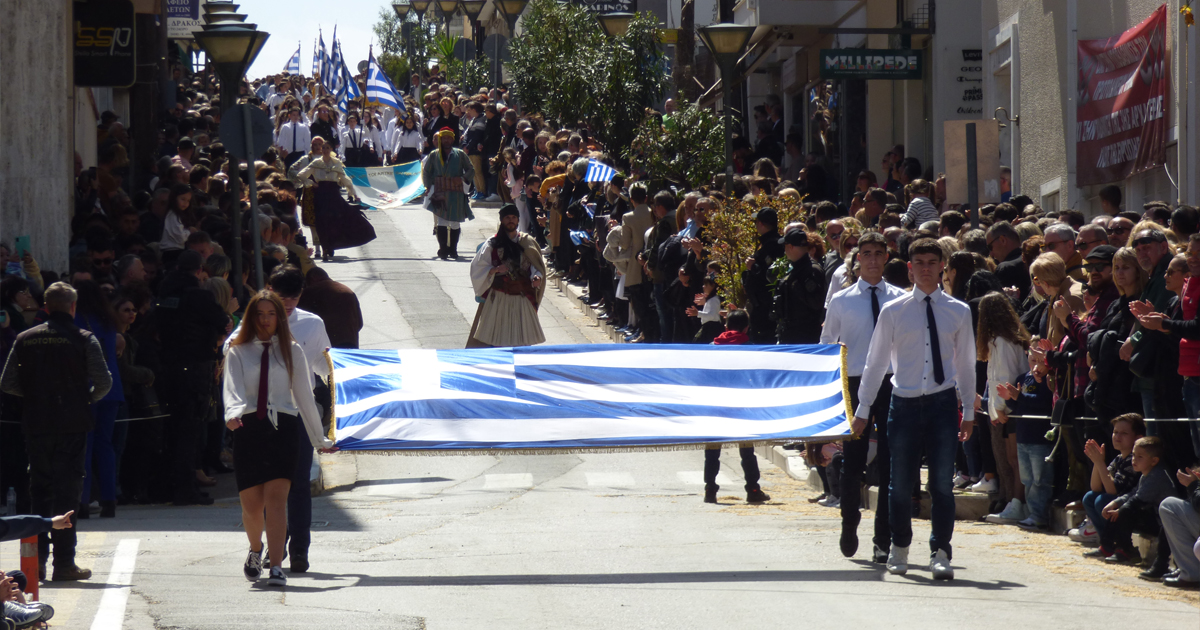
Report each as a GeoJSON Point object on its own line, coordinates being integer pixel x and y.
{"type": "Point", "coordinates": [190, 325]}
{"type": "Point", "coordinates": [473, 144]}
{"type": "Point", "coordinates": [1004, 244]}
{"type": "Point", "coordinates": [800, 298]}
{"type": "Point", "coordinates": [757, 277]}
{"type": "Point", "coordinates": [60, 371]}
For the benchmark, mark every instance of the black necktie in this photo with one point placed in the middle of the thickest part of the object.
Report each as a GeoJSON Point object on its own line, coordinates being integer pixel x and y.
{"type": "Point", "coordinates": [935, 346]}
{"type": "Point", "coordinates": [874, 306]}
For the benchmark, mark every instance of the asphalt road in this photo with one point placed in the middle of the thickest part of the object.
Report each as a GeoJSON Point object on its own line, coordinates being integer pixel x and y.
{"type": "Point", "coordinates": [564, 541]}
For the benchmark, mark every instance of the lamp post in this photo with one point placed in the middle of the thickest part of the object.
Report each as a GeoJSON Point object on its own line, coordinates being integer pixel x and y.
{"type": "Point", "coordinates": [512, 11]}
{"type": "Point", "coordinates": [616, 24]}
{"type": "Point", "coordinates": [472, 9]}
{"type": "Point", "coordinates": [420, 8]}
{"type": "Point", "coordinates": [402, 8]}
{"type": "Point", "coordinates": [727, 42]}
{"type": "Point", "coordinates": [232, 45]}
{"type": "Point", "coordinates": [447, 8]}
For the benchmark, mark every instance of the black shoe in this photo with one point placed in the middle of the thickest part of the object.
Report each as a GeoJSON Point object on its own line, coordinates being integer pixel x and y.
{"type": "Point", "coordinates": [108, 509]}
{"type": "Point", "coordinates": [1178, 582]}
{"type": "Point", "coordinates": [819, 497]}
{"type": "Point", "coordinates": [757, 496]}
{"type": "Point", "coordinates": [710, 493]}
{"type": "Point", "coordinates": [298, 565]}
{"type": "Point", "coordinates": [70, 574]}
{"type": "Point", "coordinates": [1154, 574]}
{"type": "Point", "coordinates": [878, 556]}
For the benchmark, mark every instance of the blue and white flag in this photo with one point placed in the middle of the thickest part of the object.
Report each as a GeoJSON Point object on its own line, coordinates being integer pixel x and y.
{"type": "Point", "coordinates": [316, 59]}
{"type": "Point", "coordinates": [293, 64]}
{"type": "Point", "coordinates": [348, 90]}
{"type": "Point", "coordinates": [335, 65]}
{"type": "Point", "coordinates": [324, 58]}
{"type": "Point", "coordinates": [599, 172]}
{"type": "Point", "coordinates": [380, 91]}
{"type": "Point", "coordinates": [623, 397]}
{"type": "Point", "coordinates": [387, 187]}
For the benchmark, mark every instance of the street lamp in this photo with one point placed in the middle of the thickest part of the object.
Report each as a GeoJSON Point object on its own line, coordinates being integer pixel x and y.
{"type": "Point", "coordinates": [231, 46]}
{"type": "Point", "coordinates": [727, 42]}
{"type": "Point", "coordinates": [401, 7]}
{"type": "Point", "coordinates": [447, 8]}
{"type": "Point", "coordinates": [512, 11]}
{"type": "Point", "coordinates": [616, 24]}
{"type": "Point", "coordinates": [420, 7]}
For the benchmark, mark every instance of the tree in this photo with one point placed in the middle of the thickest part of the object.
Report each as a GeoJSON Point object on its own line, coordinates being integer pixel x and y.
{"type": "Point", "coordinates": [393, 53]}
{"type": "Point", "coordinates": [688, 150]}
{"type": "Point", "coordinates": [565, 68]}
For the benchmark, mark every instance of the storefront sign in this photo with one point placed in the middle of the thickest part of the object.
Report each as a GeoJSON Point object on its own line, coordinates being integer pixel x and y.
{"type": "Point", "coordinates": [1121, 118]}
{"type": "Point", "coordinates": [865, 63]}
{"type": "Point", "coordinates": [969, 83]}
{"type": "Point", "coordinates": [104, 43]}
{"type": "Point", "coordinates": [183, 18]}
{"type": "Point", "coordinates": [609, 6]}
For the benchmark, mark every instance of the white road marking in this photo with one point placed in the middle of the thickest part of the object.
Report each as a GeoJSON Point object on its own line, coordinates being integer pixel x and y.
{"type": "Point", "coordinates": [610, 479]}
{"type": "Point", "coordinates": [507, 482]}
{"type": "Point", "coordinates": [696, 478]}
{"type": "Point", "coordinates": [111, 614]}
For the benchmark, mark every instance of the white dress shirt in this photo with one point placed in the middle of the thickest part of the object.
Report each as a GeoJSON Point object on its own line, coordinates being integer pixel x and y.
{"type": "Point", "coordinates": [835, 283]}
{"type": "Point", "coordinates": [901, 338]}
{"type": "Point", "coordinates": [293, 137]}
{"type": "Point", "coordinates": [308, 330]}
{"type": "Point", "coordinates": [284, 395]}
{"type": "Point", "coordinates": [848, 320]}
{"type": "Point", "coordinates": [1006, 363]}
{"type": "Point", "coordinates": [351, 138]}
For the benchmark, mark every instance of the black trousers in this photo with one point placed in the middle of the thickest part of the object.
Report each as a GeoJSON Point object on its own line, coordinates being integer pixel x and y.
{"type": "Point", "coordinates": [639, 300]}
{"type": "Point", "coordinates": [189, 396]}
{"type": "Point", "coordinates": [854, 464]}
{"type": "Point", "coordinates": [56, 471]}
{"type": "Point", "coordinates": [712, 466]}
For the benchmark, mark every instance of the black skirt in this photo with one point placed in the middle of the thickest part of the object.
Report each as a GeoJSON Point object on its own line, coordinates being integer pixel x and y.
{"type": "Point", "coordinates": [262, 453]}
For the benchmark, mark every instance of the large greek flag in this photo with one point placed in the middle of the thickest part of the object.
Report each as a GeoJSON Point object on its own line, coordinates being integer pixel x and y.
{"type": "Point", "coordinates": [598, 171]}
{"type": "Point", "coordinates": [380, 91]}
{"type": "Point", "coordinates": [623, 397]}
{"type": "Point", "coordinates": [387, 187]}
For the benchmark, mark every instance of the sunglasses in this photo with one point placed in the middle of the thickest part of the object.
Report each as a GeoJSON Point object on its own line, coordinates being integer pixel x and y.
{"type": "Point", "coordinates": [1119, 230]}
{"type": "Point", "coordinates": [1050, 246]}
{"type": "Point", "coordinates": [1100, 266]}
{"type": "Point", "coordinates": [1082, 245]}
{"type": "Point", "coordinates": [834, 235]}
{"type": "Point", "coordinates": [1146, 240]}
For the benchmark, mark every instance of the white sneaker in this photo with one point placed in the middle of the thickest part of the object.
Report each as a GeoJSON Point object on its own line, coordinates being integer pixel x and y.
{"type": "Point", "coordinates": [985, 486]}
{"type": "Point", "coordinates": [1031, 525]}
{"type": "Point", "coordinates": [1012, 513]}
{"type": "Point", "coordinates": [939, 565]}
{"type": "Point", "coordinates": [492, 198]}
{"type": "Point", "coordinates": [1086, 533]}
{"type": "Point", "coordinates": [830, 502]}
{"type": "Point", "coordinates": [961, 481]}
{"type": "Point", "coordinates": [897, 562]}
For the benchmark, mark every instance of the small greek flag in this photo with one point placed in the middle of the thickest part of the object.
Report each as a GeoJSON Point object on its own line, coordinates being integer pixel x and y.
{"type": "Point", "coordinates": [587, 397]}
{"type": "Point", "coordinates": [599, 172]}
{"type": "Point", "coordinates": [293, 64]}
{"type": "Point", "coordinates": [380, 91]}
{"type": "Point", "coordinates": [338, 62]}
{"type": "Point", "coordinates": [316, 59]}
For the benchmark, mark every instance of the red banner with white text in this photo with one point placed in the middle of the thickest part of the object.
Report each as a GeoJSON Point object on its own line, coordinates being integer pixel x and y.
{"type": "Point", "coordinates": [1121, 120]}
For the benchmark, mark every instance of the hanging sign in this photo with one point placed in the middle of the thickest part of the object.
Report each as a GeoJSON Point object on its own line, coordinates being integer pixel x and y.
{"type": "Point", "coordinates": [868, 63]}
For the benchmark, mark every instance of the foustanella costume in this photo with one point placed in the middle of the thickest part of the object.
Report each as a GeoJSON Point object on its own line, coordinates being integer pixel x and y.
{"type": "Point", "coordinates": [503, 274]}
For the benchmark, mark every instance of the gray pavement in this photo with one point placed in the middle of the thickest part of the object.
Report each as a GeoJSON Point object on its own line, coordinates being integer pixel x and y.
{"type": "Point", "coordinates": [563, 541]}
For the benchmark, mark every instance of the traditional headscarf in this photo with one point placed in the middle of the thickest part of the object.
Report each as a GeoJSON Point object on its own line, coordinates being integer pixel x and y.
{"type": "Point", "coordinates": [437, 143]}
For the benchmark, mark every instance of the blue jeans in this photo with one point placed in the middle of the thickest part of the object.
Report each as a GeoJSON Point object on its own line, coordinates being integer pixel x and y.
{"type": "Point", "coordinates": [1037, 475]}
{"type": "Point", "coordinates": [928, 425]}
{"type": "Point", "coordinates": [1191, 402]}
{"type": "Point", "coordinates": [1093, 504]}
{"type": "Point", "coordinates": [101, 450]}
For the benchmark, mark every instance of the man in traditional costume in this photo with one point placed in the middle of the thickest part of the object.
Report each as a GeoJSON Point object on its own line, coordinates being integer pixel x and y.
{"type": "Point", "coordinates": [443, 174]}
{"type": "Point", "coordinates": [338, 224]}
{"type": "Point", "coordinates": [509, 274]}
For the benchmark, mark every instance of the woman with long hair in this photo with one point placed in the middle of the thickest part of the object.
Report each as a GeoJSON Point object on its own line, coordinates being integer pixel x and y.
{"type": "Point", "coordinates": [326, 126]}
{"type": "Point", "coordinates": [179, 223]}
{"type": "Point", "coordinates": [407, 144]}
{"type": "Point", "coordinates": [1002, 341]}
{"type": "Point", "coordinates": [1110, 394]}
{"type": "Point", "coordinates": [267, 391]}
{"type": "Point", "coordinates": [94, 313]}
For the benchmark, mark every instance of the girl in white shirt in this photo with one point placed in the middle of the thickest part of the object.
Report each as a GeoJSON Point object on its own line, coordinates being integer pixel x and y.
{"type": "Point", "coordinates": [265, 425]}
{"type": "Point", "coordinates": [179, 222]}
{"type": "Point", "coordinates": [1003, 342]}
{"type": "Point", "coordinates": [708, 309]}
{"type": "Point", "coordinates": [408, 142]}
